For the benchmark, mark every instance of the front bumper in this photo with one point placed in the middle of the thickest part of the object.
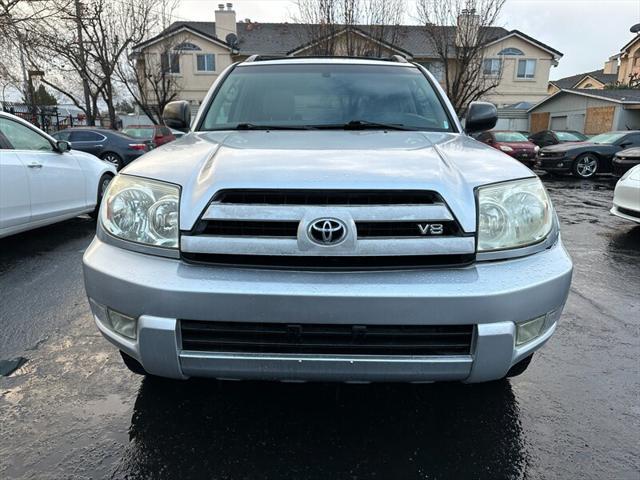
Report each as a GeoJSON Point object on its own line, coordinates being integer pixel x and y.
{"type": "Point", "coordinates": [620, 167]}
{"type": "Point", "coordinates": [556, 164]}
{"type": "Point", "coordinates": [493, 296]}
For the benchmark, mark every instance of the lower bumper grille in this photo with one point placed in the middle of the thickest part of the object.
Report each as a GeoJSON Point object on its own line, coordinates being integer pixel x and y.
{"type": "Point", "coordinates": [241, 337]}
{"type": "Point", "coordinates": [631, 213]}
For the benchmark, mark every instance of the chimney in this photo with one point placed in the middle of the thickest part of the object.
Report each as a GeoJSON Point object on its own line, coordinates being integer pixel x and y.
{"type": "Point", "coordinates": [611, 66]}
{"type": "Point", "coordinates": [225, 21]}
{"type": "Point", "coordinates": [467, 29]}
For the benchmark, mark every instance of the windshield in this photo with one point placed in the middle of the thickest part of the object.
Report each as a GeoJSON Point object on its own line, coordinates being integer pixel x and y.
{"type": "Point", "coordinates": [326, 96]}
{"type": "Point", "coordinates": [139, 132]}
{"type": "Point", "coordinates": [510, 137]}
{"type": "Point", "coordinates": [610, 137]}
{"type": "Point", "coordinates": [569, 137]}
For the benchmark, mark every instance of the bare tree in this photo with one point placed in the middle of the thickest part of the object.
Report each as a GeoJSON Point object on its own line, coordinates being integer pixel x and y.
{"type": "Point", "coordinates": [459, 30]}
{"type": "Point", "coordinates": [336, 27]}
{"type": "Point", "coordinates": [147, 75]}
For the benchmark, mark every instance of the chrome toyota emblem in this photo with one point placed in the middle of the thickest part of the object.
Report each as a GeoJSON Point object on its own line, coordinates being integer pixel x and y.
{"type": "Point", "coordinates": [327, 231]}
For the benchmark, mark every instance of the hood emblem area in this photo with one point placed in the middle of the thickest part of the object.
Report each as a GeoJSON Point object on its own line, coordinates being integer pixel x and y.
{"type": "Point", "coordinates": [327, 231]}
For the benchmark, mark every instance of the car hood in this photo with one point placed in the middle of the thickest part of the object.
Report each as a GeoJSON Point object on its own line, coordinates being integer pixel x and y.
{"type": "Point", "coordinates": [203, 163]}
{"type": "Point", "coordinates": [569, 146]}
{"type": "Point", "coordinates": [518, 145]}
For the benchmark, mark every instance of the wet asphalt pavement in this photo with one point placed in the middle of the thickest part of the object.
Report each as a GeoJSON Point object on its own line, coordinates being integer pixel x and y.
{"type": "Point", "coordinates": [74, 411]}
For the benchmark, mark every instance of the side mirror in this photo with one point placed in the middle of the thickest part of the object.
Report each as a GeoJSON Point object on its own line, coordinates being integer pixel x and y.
{"type": "Point", "coordinates": [177, 115]}
{"type": "Point", "coordinates": [626, 144]}
{"type": "Point", "coordinates": [63, 146]}
{"type": "Point", "coordinates": [481, 116]}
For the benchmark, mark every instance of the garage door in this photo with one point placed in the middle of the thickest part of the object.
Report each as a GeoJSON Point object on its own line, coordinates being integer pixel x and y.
{"type": "Point", "coordinates": [559, 123]}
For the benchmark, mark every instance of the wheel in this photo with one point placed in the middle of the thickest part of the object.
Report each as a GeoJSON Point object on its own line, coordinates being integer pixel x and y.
{"type": "Point", "coordinates": [114, 159]}
{"type": "Point", "coordinates": [520, 367]}
{"type": "Point", "coordinates": [103, 183]}
{"type": "Point", "coordinates": [585, 166]}
{"type": "Point", "coordinates": [132, 364]}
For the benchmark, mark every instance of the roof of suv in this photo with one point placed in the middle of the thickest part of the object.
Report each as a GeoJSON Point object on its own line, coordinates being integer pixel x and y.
{"type": "Point", "coordinates": [394, 61]}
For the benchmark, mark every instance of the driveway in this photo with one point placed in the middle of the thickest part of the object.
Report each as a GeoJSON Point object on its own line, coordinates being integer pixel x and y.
{"type": "Point", "coordinates": [74, 411]}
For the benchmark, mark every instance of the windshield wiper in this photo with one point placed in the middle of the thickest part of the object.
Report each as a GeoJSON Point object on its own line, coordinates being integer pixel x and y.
{"type": "Point", "coordinates": [364, 125]}
{"type": "Point", "coordinates": [253, 126]}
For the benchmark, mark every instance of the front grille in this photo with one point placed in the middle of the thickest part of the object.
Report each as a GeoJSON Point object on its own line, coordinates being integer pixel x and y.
{"type": "Point", "coordinates": [316, 262]}
{"type": "Point", "coordinates": [283, 338]}
{"type": "Point", "coordinates": [286, 229]}
{"type": "Point", "coordinates": [631, 213]}
{"type": "Point", "coordinates": [327, 197]}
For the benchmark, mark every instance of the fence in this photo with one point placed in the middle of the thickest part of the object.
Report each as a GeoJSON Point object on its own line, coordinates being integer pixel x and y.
{"type": "Point", "coordinates": [48, 118]}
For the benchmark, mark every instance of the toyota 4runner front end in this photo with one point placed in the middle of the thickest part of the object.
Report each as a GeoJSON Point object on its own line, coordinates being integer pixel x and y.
{"type": "Point", "coordinates": [327, 219]}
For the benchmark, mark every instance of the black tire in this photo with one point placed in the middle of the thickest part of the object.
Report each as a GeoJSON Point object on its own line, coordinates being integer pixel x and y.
{"type": "Point", "coordinates": [520, 367]}
{"type": "Point", "coordinates": [586, 165]}
{"type": "Point", "coordinates": [132, 364]}
{"type": "Point", "coordinates": [104, 181]}
{"type": "Point", "coordinates": [114, 159]}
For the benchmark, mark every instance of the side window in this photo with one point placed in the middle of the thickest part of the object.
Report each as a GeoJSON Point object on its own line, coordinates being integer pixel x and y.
{"type": "Point", "coordinates": [633, 139]}
{"type": "Point", "coordinates": [23, 138]}
{"type": "Point", "coordinates": [165, 131]}
{"type": "Point", "coordinates": [84, 136]}
{"type": "Point", "coordinates": [62, 135]}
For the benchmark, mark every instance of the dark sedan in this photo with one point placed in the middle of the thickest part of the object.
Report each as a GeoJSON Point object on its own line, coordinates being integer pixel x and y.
{"type": "Point", "coordinates": [586, 159]}
{"type": "Point", "coordinates": [111, 146]}
{"type": "Point", "coordinates": [546, 138]}
{"type": "Point", "coordinates": [625, 160]}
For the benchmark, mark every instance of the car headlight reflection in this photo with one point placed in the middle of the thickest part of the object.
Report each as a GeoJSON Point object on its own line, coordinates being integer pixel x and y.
{"type": "Point", "coordinates": [143, 211]}
{"type": "Point", "coordinates": [513, 214]}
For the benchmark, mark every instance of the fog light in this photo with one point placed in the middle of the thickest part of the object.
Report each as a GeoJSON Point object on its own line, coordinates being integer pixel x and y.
{"type": "Point", "coordinates": [125, 326]}
{"type": "Point", "coordinates": [529, 330]}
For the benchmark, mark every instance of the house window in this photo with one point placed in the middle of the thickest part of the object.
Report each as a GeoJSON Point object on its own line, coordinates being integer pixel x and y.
{"type": "Point", "coordinates": [206, 62]}
{"type": "Point", "coordinates": [526, 68]}
{"type": "Point", "coordinates": [170, 62]}
{"type": "Point", "coordinates": [511, 51]}
{"type": "Point", "coordinates": [436, 67]}
{"type": "Point", "coordinates": [491, 67]}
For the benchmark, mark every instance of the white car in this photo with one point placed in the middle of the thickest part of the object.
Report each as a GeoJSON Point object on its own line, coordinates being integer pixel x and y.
{"type": "Point", "coordinates": [626, 197]}
{"type": "Point", "coordinates": [41, 181]}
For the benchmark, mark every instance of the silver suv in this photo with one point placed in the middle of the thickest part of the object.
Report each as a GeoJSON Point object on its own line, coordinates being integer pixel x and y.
{"type": "Point", "coordinates": [327, 219]}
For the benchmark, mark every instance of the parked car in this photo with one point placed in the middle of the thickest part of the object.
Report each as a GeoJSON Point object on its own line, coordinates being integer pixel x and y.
{"type": "Point", "coordinates": [626, 196]}
{"type": "Point", "coordinates": [109, 145]}
{"type": "Point", "coordinates": [514, 144]}
{"type": "Point", "coordinates": [546, 138]}
{"type": "Point", "coordinates": [41, 181]}
{"type": "Point", "coordinates": [625, 160]}
{"type": "Point", "coordinates": [586, 159]}
{"type": "Point", "coordinates": [158, 134]}
{"type": "Point", "coordinates": [359, 235]}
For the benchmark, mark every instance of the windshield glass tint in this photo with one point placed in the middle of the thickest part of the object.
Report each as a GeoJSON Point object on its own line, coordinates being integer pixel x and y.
{"type": "Point", "coordinates": [326, 94]}
{"type": "Point", "coordinates": [510, 137]}
{"type": "Point", "coordinates": [568, 137]}
{"type": "Point", "coordinates": [139, 132]}
{"type": "Point", "coordinates": [610, 137]}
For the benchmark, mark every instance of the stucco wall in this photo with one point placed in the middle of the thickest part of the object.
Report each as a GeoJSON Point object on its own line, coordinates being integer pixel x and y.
{"type": "Point", "coordinates": [630, 62]}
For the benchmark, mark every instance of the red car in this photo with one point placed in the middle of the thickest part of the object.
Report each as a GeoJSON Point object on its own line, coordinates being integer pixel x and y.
{"type": "Point", "coordinates": [511, 143]}
{"type": "Point", "coordinates": [158, 134]}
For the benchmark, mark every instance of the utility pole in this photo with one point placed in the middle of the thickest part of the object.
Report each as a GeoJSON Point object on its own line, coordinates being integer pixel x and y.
{"type": "Point", "coordinates": [83, 72]}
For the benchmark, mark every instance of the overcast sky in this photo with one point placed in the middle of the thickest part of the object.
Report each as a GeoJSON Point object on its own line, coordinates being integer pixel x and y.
{"type": "Point", "coordinates": [587, 32]}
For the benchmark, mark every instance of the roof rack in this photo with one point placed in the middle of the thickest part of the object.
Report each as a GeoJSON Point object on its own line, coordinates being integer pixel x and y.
{"type": "Point", "coordinates": [265, 58]}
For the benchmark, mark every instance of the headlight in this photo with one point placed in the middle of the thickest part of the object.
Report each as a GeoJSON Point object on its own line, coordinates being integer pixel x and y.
{"type": "Point", "coordinates": [536, 149]}
{"type": "Point", "coordinates": [506, 148]}
{"type": "Point", "coordinates": [513, 214]}
{"type": "Point", "coordinates": [142, 211]}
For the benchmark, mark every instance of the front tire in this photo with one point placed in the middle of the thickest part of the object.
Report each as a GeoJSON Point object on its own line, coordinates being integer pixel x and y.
{"type": "Point", "coordinates": [103, 183]}
{"type": "Point", "coordinates": [585, 166]}
{"type": "Point", "coordinates": [132, 364]}
{"type": "Point", "coordinates": [114, 159]}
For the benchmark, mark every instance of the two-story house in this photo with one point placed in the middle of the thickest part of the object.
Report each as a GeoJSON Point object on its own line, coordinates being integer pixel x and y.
{"type": "Point", "coordinates": [195, 53]}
